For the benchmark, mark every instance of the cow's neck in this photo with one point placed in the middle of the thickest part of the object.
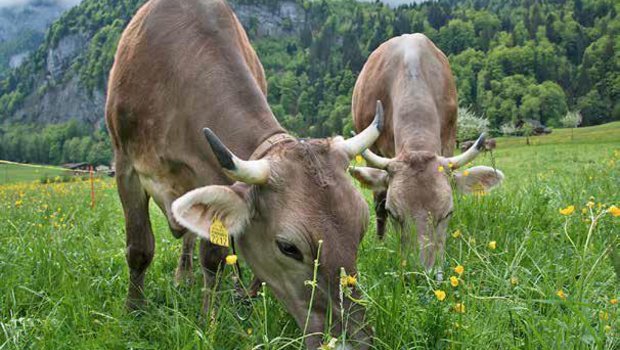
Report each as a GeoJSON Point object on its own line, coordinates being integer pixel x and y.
{"type": "Point", "coordinates": [416, 129]}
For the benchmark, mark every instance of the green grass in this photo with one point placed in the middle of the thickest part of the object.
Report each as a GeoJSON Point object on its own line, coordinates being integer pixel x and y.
{"type": "Point", "coordinates": [63, 273]}
{"type": "Point", "coordinates": [10, 173]}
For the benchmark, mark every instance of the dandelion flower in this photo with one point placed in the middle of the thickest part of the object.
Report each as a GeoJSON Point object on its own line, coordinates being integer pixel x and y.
{"type": "Point", "coordinates": [440, 295]}
{"type": "Point", "coordinates": [459, 269]}
{"type": "Point", "coordinates": [614, 301]}
{"type": "Point", "coordinates": [568, 210]}
{"type": "Point", "coordinates": [613, 210]}
{"type": "Point", "coordinates": [231, 259]}
{"type": "Point", "coordinates": [492, 245]}
{"type": "Point", "coordinates": [450, 165]}
{"type": "Point", "coordinates": [466, 173]}
{"type": "Point", "coordinates": [454, 281]}
{"type": "Point", "coordinates": [560, 293]}
{"type": "Point", "coordinates": [359, 159]}
{"type": "Point", "coordinates": [456, 234]}
{"type": "Point", "coordinates": [441, 169]}
{"type": "Point", "coordinates": [459, 308]}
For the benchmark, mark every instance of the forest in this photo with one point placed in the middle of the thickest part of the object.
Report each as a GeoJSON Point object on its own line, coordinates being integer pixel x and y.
{"type": "Point", "coordinates": [513, 60]}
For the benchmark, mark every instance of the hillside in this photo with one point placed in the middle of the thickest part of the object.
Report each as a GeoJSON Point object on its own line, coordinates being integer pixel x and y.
{"type": "Point", "coordinates": [23, 24]}
{"type": "Point", "coordinates": [512, 59]}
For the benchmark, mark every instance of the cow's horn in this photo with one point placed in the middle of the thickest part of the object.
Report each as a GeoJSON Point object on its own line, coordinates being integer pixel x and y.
{"type": "Point", "coordinates": [367, 137]}
{"type": "Point", "coordinates": [469, 155]}
{"type": "Point", "coordinates": [254, 172]}
{"type": "Point", "coordinates": [376, 161]}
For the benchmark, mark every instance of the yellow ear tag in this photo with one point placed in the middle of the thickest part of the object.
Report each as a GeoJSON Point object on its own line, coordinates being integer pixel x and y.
{"type": "Point", "coordinates": [218, 234]}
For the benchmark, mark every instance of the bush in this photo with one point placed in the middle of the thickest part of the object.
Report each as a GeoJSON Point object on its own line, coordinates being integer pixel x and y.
{"type": "Point", "coordinates": [470, 125]}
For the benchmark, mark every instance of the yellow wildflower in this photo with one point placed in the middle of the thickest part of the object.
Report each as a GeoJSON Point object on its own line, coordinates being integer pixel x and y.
{"type": "Point", "coordinates": [584, 211]}
{"type": "Point", "coordinates": [348, 281]}
{"type": "Point", "coordinates": [450, 165]}
{"type": "Point", "coordinates": [568, 210]}
{"type": "Point", "coordinates": [359, 159]}
{"type": "Point", "coordinates": [613, 210]}
{"type": "Point", "coordinates": [514, 280]}
{"type": "Point", "coordinates": [492, 245]}
{"type": "Point", "coordinates": [466, 173]}
{"type": "Point", "coordinates": [459, 269]}
{"type": "Point", "coordinates": [231, 259]}
{"type": "Point", "coordinates": [590, 204]}
{"type": "Point", "coordinates": [440, 169]}
{"type": "Point", "coordinates": [459, 308]}
{"type": "Point", "coordinates": [560, 293]}
{"type": "Point", "coordinates": [249, 331]}
{"type": "Point", "coordinates": [614, 301]}
{"type": "Point", "coordinates": [454, 281]}
{"type": "Point", "coordinates": [456, 234]}
{"type": "Point", "coordinates": [440, 294]}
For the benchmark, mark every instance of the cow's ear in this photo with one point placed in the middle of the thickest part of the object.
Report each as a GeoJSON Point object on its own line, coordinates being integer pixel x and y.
{"type": "Point", "coordinates": [197, 209]}
{"type": "Point", "coordinates": [479, 179]}
{"type": "Point", "coordinates": [375, 179]}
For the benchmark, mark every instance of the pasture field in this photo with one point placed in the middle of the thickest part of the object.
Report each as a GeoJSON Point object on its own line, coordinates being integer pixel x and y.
{"type": "Point", "coordinates": [10, 173]}
{"type": "Point", "coordinates": [532, 277]}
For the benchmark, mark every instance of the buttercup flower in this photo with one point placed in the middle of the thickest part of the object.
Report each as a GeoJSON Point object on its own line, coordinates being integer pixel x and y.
{"type": "Point", "coordinates": [231, 259]}
{"type": "Point", "coordinates": [492, 245]}
{"type": "Point", "coordinates": [348, 281]}
{"type": "Point", "coordinates": [459, 269]}
{"type": "Point", "coordinates": [466, 173]}
{"type": "Point", "coordinates": [568, 210]}
{"type": "Point", "coordinates": [560, 293]}
{"type": "Point", "coordinates": [440, 169]}
{"type": "Point", "coordinates": [613, 210]}
{"type": "Point", "coordinates": [440, 295]}
{"type": "Point", "coordinates": [454, 281]}
{"type": "Point", "coordinates": [459, 308]}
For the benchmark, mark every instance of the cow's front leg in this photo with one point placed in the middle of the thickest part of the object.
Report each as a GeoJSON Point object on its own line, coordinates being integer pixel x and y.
{"type": "Point", "coordinates": [380, 212]}
{"type": "Point", "coordinates": [212, 260]}
{"type": "Point", "coordinates": [184, 274]}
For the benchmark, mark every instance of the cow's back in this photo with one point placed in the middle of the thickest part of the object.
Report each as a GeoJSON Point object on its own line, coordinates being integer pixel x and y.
{"type": "Point", "coordinates": [412, 78]}
{"type": "Point", "coordinates": [181, 66]}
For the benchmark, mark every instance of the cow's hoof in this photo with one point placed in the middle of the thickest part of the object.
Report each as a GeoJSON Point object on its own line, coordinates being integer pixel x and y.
{"type": "Point", "coordinates": [135, 304]}
{"type": "Point", "coordinates": [183, 277]}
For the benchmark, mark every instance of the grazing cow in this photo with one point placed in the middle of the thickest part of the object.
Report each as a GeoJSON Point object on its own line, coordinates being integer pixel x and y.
{"type": "Point", "coordinates": [187, 65]}
{"type": "Point", "coordinates": [412, 78]}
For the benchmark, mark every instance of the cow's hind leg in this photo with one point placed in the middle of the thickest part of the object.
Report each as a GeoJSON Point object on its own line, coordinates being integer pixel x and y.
{"type": "Point", "coordinates": [139, 236]}
{"type": "Point", "coordinates": [380, 212]}
{"type": "Point", "coordinates": [212, 260]}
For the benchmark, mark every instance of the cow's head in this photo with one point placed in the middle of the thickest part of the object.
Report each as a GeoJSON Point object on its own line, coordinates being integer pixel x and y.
{"type": "Point", "coordinates": [419, 190]}
{"type": "Point", "coordinates": [280, 210]}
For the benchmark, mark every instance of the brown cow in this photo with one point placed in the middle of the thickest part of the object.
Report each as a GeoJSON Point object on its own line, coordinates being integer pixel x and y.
{"type": "Point", "coordinates": [412, 78]}
{"type": "Point", "coordinates": [185, 65]}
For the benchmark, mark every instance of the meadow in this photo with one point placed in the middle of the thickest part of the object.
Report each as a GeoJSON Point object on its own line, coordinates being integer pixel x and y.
{"type": "Point", "coordinates": [533, 272]}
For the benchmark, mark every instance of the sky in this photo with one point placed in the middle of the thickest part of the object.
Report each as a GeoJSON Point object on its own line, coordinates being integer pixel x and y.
{"type": "Point", "coordinates": [14, 3]}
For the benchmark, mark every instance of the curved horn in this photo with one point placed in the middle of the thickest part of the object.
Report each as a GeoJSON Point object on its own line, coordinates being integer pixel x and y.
{"type": "Point", "coordinates": [469, 155]}
{"type": "Point", "coordinates": [254, 172]}
{"type": "Point", "coordinates": [366, 138]}
{"type": "Point", "coordinates": [376, 161]}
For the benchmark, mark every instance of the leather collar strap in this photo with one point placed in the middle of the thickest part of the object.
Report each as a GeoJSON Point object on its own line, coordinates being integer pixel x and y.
{"type": "Point", "coordinates": [264, 147]}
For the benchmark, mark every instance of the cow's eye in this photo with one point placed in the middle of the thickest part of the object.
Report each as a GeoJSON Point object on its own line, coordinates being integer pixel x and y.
{"type": "Point", "coordinates": [290, 250]}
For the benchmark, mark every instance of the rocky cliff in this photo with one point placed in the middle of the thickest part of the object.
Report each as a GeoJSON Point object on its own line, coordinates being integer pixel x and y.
{"type": "Point", "coordinates": [60, 89]}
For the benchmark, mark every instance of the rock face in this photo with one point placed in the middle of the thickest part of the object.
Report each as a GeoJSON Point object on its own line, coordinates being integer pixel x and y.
{"type": "Point", "coordinates": [261, 21]}
{"type": "Point", "coordinates": [60, 96]}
